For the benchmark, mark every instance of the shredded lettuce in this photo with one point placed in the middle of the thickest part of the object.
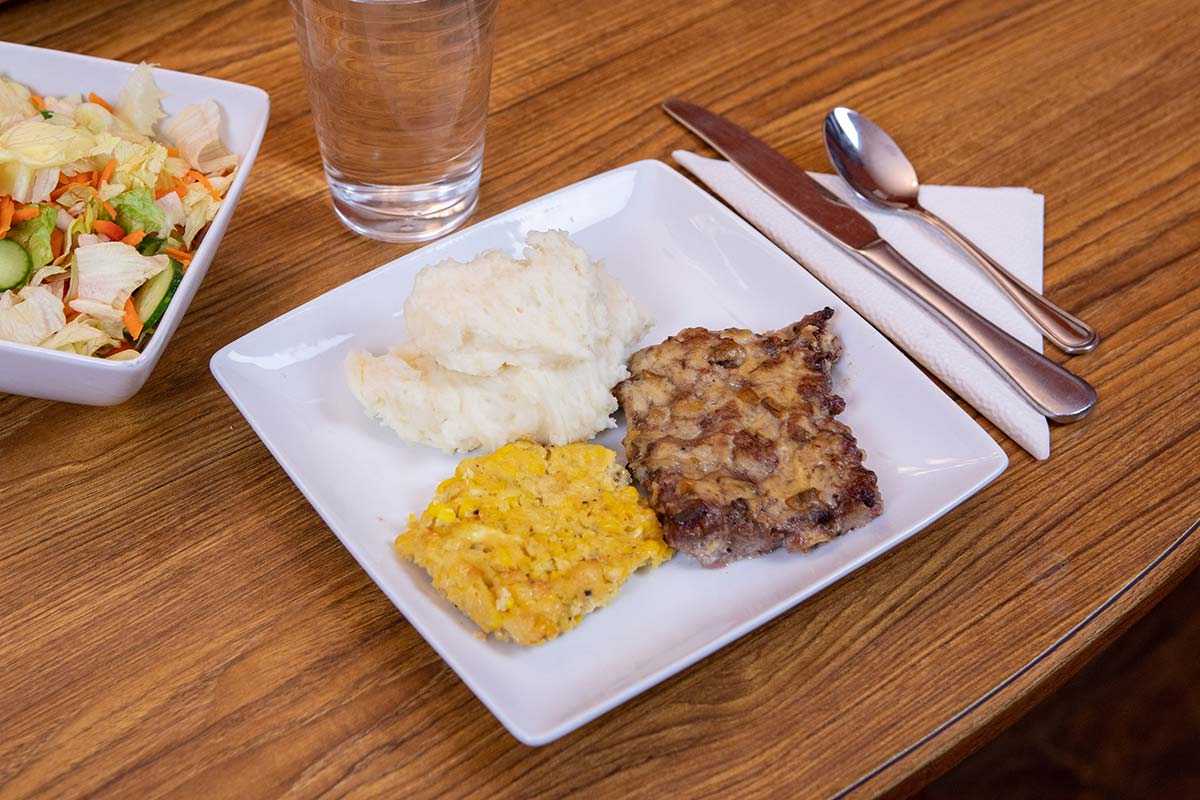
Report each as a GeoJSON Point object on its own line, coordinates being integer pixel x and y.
{"type": "Point", "coordinates": [114, 328]}
{"type": "Point", "coordinates": [34, 235]}
{"type": "Point", "coordinates": [15, 102]}
{"type": "Point", "coordinates": [140, 103]}
{"type": "Point", "coordinates": [78, 199]}
{"type": "Point", "coordinates": [81, 336]}
{"type": "Point", "coordinates": [37, 316]}
{"type": "Point", "coordinates": [196, 132]}
{"type": "Point", "coordinates": [199, 207]}
{"type": "Point", "coordinates": [57, 286]}
{"type": "Point", "coordinates": [80, 227]}
{"type": "Point", "coordinates": [45, 146]}
{"type": "Point", "coordinates": [100, 121]}
{"type": "Point", "coordinates": [137, 211]}
{"type": "Point", "coordinates": [26, 184]}
{"type": "Point", "coordinates": [63, 107]}
{"type": "Point", "coordinates": [172, 208]}
{"type": "Point", "coordinates": [93, 117]}
{"type": "Point", "coordinates": [32, 151]}
{"type": "Point", "coordinates": [41, 275]}
{"type": "Point", "coordinates": [37, 143]}
{"type": "Point", "coordinates": [96, 308]}
{"type": "Point", "coordinates": [44, 181]}
{"type": "Point", "coordinates": [138, 164]}
{"type": "Point", "coordinates": [107, 273]}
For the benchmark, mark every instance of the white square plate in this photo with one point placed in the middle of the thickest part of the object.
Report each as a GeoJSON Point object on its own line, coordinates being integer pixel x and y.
{"type": "Point", "coordinates": [54, 375]}
{"type": "Point", "coordinates": [691, 261]}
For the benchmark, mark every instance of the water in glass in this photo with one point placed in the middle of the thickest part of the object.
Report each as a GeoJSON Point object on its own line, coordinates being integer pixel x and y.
{"type": "Point", "coordinates": [399, 93]}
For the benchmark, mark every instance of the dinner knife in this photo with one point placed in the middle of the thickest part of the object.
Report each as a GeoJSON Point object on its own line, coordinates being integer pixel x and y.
{"type": "Point", "coordinates": [1053, 390]}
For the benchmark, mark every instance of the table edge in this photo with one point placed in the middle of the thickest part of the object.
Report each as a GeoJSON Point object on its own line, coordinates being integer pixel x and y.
{"type": "Point", "coordinates": [1075, 652]}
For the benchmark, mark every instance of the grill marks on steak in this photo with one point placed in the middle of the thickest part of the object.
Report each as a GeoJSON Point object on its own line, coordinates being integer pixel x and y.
{"type": "Point", "coordinates": [732, 434]}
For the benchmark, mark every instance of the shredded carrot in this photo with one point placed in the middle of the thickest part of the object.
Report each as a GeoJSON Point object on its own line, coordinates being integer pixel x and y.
{"type": "Point", "coordinates": [161, 193]}
{"type": "Point", "coordinates": [135, 238]}
{"type": "Point", "coordinates": [100, 101]}
{"type": "Point", "coordinates": [28, 212]}
{"type": "Point", "coordinates": [109, 169]}
{"type": "Point", "coordinates": [112, 212]}
{"type": "Point", "coordinates": [177, 254]}
{"type": "Point", "coordinates": [6, 215]}
{"type": "Point", "coordinates": [172, 152]}
{"type": "Point", "coordinates": [38, 102]}
{"type": "Point", "coordinates": [133, 323]}
{"type": "Point", "coordinates": [57, 240]}
{"type": "Point", "coordinates": [180, 188]}
{"type": "Point", "coordinates": [66, 187]}
{"type": "Point", "coordinates": [78, 177]}
{"type": "Point", "coordinates": [204, 182]}
{"type": "Point", "coordinates": [69, 312]}
{"type": "Point", "coordinates": [110, 229]}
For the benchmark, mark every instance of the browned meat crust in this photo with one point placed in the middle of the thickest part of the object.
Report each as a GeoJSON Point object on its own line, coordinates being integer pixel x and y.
{"type": "Point", "coordinates": [732, 434]}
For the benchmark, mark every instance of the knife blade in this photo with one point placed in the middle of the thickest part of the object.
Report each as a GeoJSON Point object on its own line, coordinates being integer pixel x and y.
{"type": "Point", "coordinates": [775, 175]}
{"type": "Point", "coordinates": [1053, 390]}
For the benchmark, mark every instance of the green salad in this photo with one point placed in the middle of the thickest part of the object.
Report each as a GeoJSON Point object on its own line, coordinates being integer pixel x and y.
{"type": "Point", "coordinates": [101, 208]}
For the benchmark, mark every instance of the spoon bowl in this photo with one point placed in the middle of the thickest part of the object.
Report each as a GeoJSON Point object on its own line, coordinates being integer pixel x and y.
{"type": "Point", "coordinates": [877, 169]}
{"type": "Point", "coordinates": [867, 159]}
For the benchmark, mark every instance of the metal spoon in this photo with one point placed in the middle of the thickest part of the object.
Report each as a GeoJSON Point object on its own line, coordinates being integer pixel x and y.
{"type": "Point", "coordinates": [874, 166]}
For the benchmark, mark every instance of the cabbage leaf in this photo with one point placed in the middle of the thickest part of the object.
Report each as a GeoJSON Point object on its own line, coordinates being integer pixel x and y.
{"type": "Point", "coordinates": [107, 273]}
{"type": "Point", "coordinates": [199, 207]}
{"type": "Point", "coordinates": [37, 316]}
{"type": "Point", "coordinates": [81, 336]}
{"type": "Point", "coordinates": [40, 276]}
{"type": "Point", "coordinates": [172, 208]}
{"type": "Point", "coordinates": [37, 144]}
{"type": "Point", "coordinates": [138, 164]}
{"type": "Point", "coordinates": [15, 102]}
{"type": "Point", "coordinates": [137, 211]}
{"type": "Point", "coordinates": [196, 133]}
{"type": "Point", "coordinates": [26, 184]}
{"type": "Point", "coordinates": [140, 101]}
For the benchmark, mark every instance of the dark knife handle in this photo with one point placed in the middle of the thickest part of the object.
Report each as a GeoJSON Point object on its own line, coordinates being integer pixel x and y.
{"type": "Point", "coordinates": [1056, 392]}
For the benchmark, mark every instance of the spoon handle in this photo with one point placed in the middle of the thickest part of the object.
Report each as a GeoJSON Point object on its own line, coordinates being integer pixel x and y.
{"type": "Point", "coordinates": [1067, 332]}
{"type": "Point", "coordinates": [1056, 392]}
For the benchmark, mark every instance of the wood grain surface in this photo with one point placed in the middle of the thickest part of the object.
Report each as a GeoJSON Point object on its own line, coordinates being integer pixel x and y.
{"type": "Point", "coordinates": [175, 620]}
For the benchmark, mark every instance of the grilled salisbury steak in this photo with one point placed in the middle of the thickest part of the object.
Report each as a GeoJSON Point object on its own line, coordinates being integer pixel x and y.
{"type": "Point", "coordinates": [733, 436]}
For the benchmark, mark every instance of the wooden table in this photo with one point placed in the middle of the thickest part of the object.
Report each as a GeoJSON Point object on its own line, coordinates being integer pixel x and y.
{"type": "Point", "coordinates": [178, 621]}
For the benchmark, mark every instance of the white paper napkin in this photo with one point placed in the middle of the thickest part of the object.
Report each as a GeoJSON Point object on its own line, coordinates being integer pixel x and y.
{"type": "Point", "coordinates": [1005, 222]}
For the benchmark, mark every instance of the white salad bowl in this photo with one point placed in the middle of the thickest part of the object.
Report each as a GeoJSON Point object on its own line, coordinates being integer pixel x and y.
{"type": "Point", "coordinates": [55, 375]}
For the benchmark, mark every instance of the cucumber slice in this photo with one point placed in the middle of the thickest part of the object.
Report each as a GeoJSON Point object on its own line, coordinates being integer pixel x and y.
{"type": "Point", "coordinates": [152, 297]}
{"type": "Point", "coordinates": [151, 245]}
{"type": "Point", "coordinates": [15, 264]}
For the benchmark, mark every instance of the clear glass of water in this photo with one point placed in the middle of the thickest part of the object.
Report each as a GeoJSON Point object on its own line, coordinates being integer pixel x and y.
{"type": "Point", "coordinates": [399, 94]}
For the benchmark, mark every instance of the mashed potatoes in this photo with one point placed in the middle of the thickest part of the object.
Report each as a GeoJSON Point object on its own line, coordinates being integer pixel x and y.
{"type": "Point", "coordinates": [503, 349]}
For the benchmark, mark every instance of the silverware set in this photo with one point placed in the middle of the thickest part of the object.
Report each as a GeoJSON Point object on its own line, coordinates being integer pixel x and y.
{"type": "Point", "coordinates": [875, 167]}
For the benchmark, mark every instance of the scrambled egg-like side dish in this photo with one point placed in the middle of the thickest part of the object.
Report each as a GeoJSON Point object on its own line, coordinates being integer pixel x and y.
{"type": "Point", "coordinates": [528, 540]}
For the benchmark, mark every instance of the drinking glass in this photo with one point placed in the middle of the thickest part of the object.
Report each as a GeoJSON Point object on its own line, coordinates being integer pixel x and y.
{"type": "Point", "coordinates": [399, 95]}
